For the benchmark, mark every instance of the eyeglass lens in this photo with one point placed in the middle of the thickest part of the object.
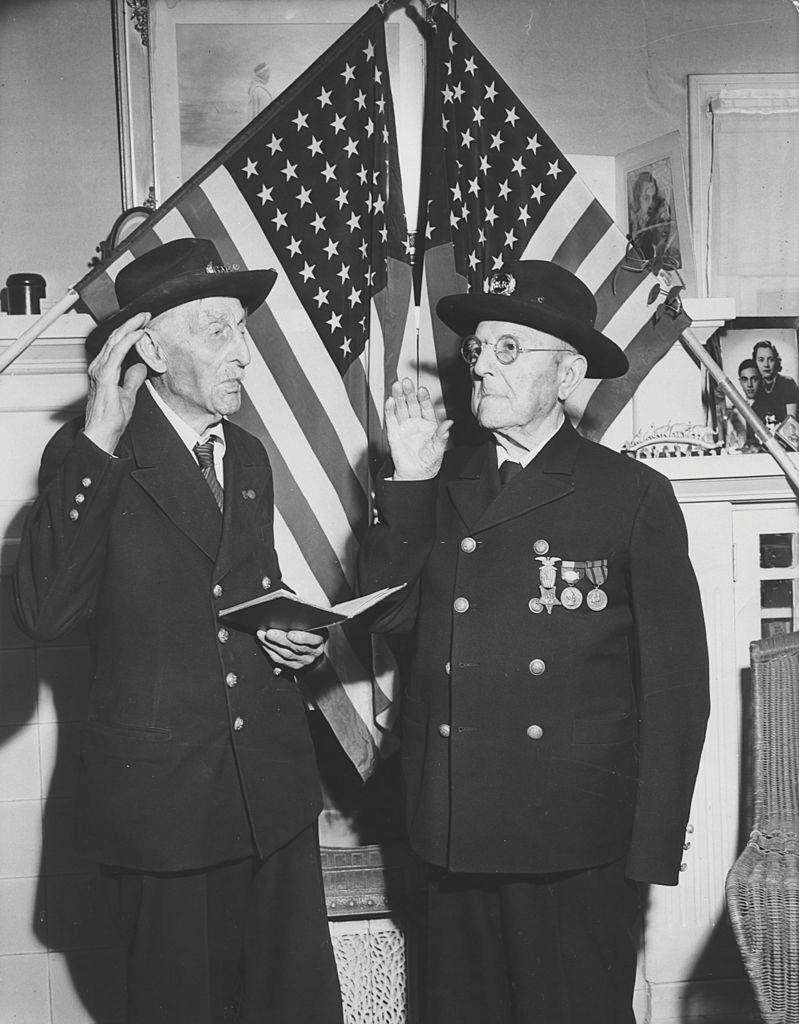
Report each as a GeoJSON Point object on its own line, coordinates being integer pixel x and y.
{"type": "Point", "coordinates": [506, 349]}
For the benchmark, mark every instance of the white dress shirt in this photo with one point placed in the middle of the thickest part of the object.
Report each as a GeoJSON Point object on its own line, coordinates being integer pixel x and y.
{"type": "Point", "coordinates": [190, 437]}
{"type": "Point", "coordinates": [507, 451]}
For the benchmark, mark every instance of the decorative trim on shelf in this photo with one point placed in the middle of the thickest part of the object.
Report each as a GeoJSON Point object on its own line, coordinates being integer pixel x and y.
{"type": "Point", "coordinates": [673, 439]}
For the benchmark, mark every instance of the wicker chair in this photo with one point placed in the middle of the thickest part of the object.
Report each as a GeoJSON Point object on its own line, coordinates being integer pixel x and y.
{"type": "Point", "coordinates": [763, 885]}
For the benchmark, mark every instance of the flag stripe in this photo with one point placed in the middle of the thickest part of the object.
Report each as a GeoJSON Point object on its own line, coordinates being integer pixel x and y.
{"type": "Point", "coordinates": [610, 396]}
{"type": "Point", "coordinates": [564, 213]}
{"type": "Point", "coordinates": [587, 232]}
{"type": "Point", "coordinates": [608, 252]}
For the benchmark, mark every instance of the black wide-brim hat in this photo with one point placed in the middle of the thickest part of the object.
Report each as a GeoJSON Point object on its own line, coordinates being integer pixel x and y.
{"type": "Point", "coordinates": [174, 273]}
{"type": "Point", "coordinates": [543, 296]}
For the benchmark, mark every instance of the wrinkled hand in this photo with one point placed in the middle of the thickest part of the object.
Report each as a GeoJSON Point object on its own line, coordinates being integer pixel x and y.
{"type": "Point", "coordinates": [110, 403]}
{"type": "Point", "coordinates": [294, 649]}
{"type": "Point", "coordinates": [416, 437]}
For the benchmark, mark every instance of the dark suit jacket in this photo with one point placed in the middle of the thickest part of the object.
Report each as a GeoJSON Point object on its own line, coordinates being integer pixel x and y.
{"type": "Point", "coordinates": [195, 751]}
{"type": "Point", "coordinates": [619, 694]}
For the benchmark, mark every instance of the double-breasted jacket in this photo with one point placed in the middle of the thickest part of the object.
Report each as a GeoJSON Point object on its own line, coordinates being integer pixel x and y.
{"type": "Point", "coordinates": [558, 696]}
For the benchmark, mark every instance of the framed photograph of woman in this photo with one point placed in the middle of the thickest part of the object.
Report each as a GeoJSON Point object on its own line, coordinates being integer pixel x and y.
{"type": "Point", "coordinates": [761, 357]}
{"type": "Point", "coordinates": [652, 205]}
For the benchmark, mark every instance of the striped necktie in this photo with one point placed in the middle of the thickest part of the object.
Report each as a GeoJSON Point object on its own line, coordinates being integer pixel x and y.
{"type": "Point", "coordinates": [205, 457]}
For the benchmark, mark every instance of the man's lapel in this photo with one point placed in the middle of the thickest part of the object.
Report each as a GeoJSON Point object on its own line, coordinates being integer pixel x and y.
{"type": "Point", "coordinates": [167, 471]}
{"type": "Point", "coordinates": [483, 503]}
{"type": "Point", "coordinates": [246, 488]}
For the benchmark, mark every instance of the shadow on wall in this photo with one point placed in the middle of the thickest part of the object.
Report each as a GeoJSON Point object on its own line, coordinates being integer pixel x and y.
{"type": "Point", "coordinates": [65, 928]}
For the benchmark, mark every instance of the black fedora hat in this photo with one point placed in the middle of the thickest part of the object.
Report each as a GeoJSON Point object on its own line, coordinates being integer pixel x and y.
{"type": "Point", "coordinates": [174, 273]}
{"type": "Point", "coordinates": [544, 296]}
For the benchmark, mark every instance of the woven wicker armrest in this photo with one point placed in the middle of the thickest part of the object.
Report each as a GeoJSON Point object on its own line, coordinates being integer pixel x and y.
{"type": "Point", "coordinates": [763, 885]}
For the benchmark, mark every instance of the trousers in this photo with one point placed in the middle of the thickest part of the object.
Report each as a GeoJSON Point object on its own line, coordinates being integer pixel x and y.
{"type": "Point", "coordinates": [245, 942]}
{"type": "Point", "coordinates": [529, 949]}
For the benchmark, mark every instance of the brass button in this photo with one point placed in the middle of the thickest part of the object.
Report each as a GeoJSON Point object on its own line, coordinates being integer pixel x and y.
{"type": "Point", "coordinates": [217, 591]}
{"type": "Point", "coordinates": [689, 828]}
{"type": "Point", "coordinates": [238, 725]}
{"type": "Point", "coordinates": [535, 605]}
{"type": "Point", "coordinates": [223, 635]}
{"type": "Point", "coordinates": [446, 668]}
{"type": "Point", "coordinates": [537, 667]}
{"type": "Point", "coordinates": [541, 547]}
{"type": "Point", "coordinates": [535, 732]}
{"type": "Point", "coordinates": [468, 544]}
{"type": "Point", "coordinates": [80, 498]}
{"type": "Point", "coordinates": [277, 670]}
{"type": "Point", "coordinates": [460, 604]}
{"type": "Point", "coordinates": [74, 514]}
{"type": "Point", "coordinates": [266, 583]}
{"type": "Point", "coordinates": [683, 866]}
{"type": "Point", "coordinates": [444, 730]}
{"type": "Point", "coordinates": [231, 679]}
{"type": "Point", "coordinates": [86, 481]}
{"type": "Point", "coordinates": [249, 493]}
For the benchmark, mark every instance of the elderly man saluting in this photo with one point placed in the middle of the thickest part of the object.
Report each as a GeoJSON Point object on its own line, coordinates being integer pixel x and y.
{"type": "Point", "coordinates": [200, 793]}
{"type": "Point", "coordinates": [556, 711]}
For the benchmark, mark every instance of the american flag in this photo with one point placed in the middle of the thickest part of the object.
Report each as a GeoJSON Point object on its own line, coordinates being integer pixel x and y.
{"type": "Point", "coordinates": [311, 187]}
{"type": "Point", "coordinates": [495, 189]}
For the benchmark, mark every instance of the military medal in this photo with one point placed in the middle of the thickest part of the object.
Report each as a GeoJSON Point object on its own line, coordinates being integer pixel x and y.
{"type": "Point", "coordinates": [548, 575]}
{"type": "Point", "coordinates": [571, 598]}
{"type": "Point", "coordinates": [597, 572]}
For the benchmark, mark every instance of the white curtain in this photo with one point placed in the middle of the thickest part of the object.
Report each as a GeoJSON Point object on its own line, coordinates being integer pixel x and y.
{"type": "Point", "coordinates": [753, 235]}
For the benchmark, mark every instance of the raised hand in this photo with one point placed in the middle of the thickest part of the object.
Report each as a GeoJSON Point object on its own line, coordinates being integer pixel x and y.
{"type": "Point", "coordinates": [416, 437]}
{"type": "Point", "coordinates": [110, 403]}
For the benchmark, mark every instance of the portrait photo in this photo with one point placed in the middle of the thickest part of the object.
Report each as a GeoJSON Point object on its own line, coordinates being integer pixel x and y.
{"type": "Point", "coordinates": [760, 356]}
{"type": "Point", "coordinates": [652, 207]}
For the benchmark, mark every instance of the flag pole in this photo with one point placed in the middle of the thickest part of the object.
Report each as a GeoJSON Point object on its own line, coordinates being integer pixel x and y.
{"type": "Point", "coordinates": [66, 302]}
{"type": "Point", "coordinates": [770, 443]}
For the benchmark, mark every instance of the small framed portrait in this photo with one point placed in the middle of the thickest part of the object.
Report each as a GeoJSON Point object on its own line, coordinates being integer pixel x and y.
{"type": "Point", "coordinates": [761, 357]}
{"type": "Point", "coordinates": [788, 433]}
{"type": "Point", "coordinates": [652, 207]}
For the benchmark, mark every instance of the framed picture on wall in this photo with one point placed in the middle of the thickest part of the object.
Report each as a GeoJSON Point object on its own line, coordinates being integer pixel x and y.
{"type": "Point", "coordinates": [192, 73]}
{"type": "Point", "coordinates": [652, 204]}
{"type": "Point", "coordinates": [761, 356]}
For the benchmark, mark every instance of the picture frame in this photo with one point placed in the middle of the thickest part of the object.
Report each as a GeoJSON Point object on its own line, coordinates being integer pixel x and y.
{"type": "Point", "coordinates": [191, 74]}
{"type": "Point", "coordinates": [736, 342]}
{"type": "Point", "coordinates": [652, 207]}
{"type": "Point", "coordinates": [788, 433]}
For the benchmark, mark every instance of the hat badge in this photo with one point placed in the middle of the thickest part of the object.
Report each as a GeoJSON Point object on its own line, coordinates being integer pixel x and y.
{"type": "Point", "coordinates": [218, 268]}
{"type": "Point", "coordinates": [500, 283]}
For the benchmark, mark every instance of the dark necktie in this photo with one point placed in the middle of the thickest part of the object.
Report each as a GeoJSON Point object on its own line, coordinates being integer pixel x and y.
{"type": "Point", "coordinates": [205, 457]}
{"type": "Point", "coordinates": [508, 470]}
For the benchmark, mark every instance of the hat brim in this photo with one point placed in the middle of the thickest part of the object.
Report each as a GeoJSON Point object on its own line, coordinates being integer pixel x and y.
{"type": "Point", "coordinates": [250, 287]}
{"type": "Point", "coordinates": [462, 314]}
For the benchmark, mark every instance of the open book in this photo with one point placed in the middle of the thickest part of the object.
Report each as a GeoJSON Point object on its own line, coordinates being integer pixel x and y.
{"type": "Point", "coordinates": [283, 610]}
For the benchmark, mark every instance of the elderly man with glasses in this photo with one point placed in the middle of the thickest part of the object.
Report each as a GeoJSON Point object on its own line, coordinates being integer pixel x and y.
{"type": "Point", "coordinates": [557, 704]}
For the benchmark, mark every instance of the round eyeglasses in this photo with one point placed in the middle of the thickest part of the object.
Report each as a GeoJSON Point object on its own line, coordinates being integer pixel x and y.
{"type": "Point", "coordinates": [506, 349]}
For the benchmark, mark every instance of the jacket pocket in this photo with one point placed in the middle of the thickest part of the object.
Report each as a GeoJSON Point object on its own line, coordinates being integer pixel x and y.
{"type": "Point", "coordinates": [604, 730]}
{"type": "Point", "coordinates": [124, 742]}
